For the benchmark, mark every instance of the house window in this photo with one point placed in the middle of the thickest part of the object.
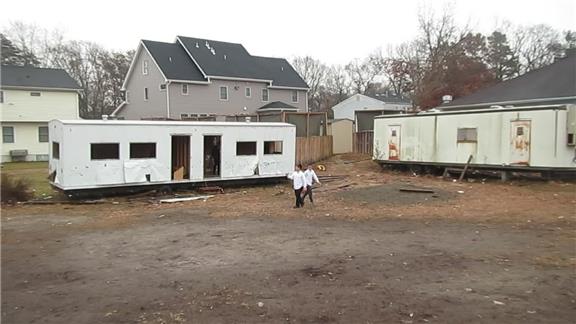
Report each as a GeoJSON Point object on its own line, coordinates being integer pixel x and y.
{"type": "Point", "coordinates": [142, 150]}
{"type": "Point", "coordinates": [1, 96]}
{"type": "Point", "coordinates": [467, 135]}
{"type": "Point", "coordinates": [7, 134]}
{"type": "Point", "coordinates": [127, 96]}
{"type": "Point", "coordinates": [146, 94]}
{"type": "Point", "coordinates": [183, 116]}
{"type": "Point", "coordinates": [273, 147]}
{"type": "Point", "coordinates": [223, 93]}
{"type": "Point", "coordinates": [184, 89]}
{"type": "Point", "coordinates": [35, 94]}
{"type": "Point", "coordinates": [245, 148]}
{"type": "Point", "coordinates": [265, 95]}
{"type": "Point", "coordinates": [43, 134]}
{"type": "Point", "coordinates": [294, 96]}
{"type": "Point", "coordinates": [163, 87]}
{"type": "Point", "coordinates": [55, 150]}
{"type": "Point", "coordinates": [248, 92]}
{"type": "Point", "coordinates": [104, 151]}
{"type": "Point", "coordinates": [145, 67]}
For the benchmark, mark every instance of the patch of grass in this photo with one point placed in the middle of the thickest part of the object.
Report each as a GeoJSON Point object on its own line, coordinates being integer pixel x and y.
{"type": "Point", "coordinates": [33, 173]}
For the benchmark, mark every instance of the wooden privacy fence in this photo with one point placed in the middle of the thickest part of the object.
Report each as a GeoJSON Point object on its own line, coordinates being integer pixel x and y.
{"type": "Point", "coordinates": [313, 149]}
{"type": "Point", "coordinates": [363, 142]}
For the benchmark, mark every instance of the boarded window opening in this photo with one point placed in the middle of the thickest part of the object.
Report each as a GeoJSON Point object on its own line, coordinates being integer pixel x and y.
{"type": "Point", "coordinates": [273, 147]}
{"type": "Point", "coordinates": [55, 150]}
{"type": "Point", "coordinates": [105, 151]}
{"type": "Point", "coordinates": [467, 135]}
{"type": "Point", "coordinates": [519, 131]}
{"type": "Point", "coordinates": [43, 134]}
{"type": "Point", "coordinates": [142, 150]}
{"type": "Point", "coordinates": [245, 148]}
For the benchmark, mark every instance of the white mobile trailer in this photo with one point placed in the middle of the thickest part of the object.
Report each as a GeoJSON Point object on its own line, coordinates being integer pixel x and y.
{"type": "Point", "coordinates": [513, 138]}
{"type": "Point", "coordinates": [100, 154]}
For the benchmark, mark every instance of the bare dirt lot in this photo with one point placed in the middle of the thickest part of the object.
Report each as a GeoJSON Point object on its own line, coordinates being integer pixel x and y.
{"type": "Point", "coordinates": [366, 253]}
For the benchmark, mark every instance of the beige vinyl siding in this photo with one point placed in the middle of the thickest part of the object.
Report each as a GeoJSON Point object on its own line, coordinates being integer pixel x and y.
{"type": "Point", "coordinates": [25, 138]}
{"type": "Point", "coordinates": [205, 98]}
{"type": "Point", "coordinates": [20, 106]}
{"type": "Point", "coordinates": [137, 107]}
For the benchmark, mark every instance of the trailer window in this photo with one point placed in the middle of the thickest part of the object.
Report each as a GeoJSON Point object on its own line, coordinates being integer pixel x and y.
{"type": "Point", "coordinates": [273, 147]}
{"type": "Point", "coordinates": [105, 151]}
{"type": "Point", "coordinates": [245, 148]}
{"type": "Point", "coordinates": [467, 135]}
{"type": "Point", "coordinates": [55, 150]}
{"type": "Point", "coordinates": [142, 150]}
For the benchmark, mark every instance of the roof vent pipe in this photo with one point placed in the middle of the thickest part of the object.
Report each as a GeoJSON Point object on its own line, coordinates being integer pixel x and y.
{"type": "Point", "coordinates": [446, 98]}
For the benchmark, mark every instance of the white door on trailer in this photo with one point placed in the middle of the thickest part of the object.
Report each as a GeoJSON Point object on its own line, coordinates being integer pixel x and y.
{"type": "Point", "coordinates": [394, 142]}
{"type": "Point", "coordinates": [520, 142]}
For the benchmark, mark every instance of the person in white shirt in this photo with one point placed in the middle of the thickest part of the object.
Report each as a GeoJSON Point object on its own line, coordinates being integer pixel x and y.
{"type": "Point", "coordinates": [311, 178]}
{"type": "Point", "coordinates": [299, 184]}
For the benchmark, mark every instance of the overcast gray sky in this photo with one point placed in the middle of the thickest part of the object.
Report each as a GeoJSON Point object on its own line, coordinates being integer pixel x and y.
{"type": "Point", "coordinates": [332, 31]}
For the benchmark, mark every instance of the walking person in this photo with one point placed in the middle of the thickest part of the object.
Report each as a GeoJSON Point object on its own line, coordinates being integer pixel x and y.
{"type": "Point", "coordinates": [311, 178]}
{"type": "Point", "coordinates": [299, 185]}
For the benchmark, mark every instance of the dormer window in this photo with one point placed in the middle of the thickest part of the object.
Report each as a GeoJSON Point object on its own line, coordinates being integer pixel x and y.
{"type": "Point", "coordinates": [145, 67]}
{"type": "Point", "coordinates": [294, 96]}
{"type": "Point", "coordinates": [185, 89]}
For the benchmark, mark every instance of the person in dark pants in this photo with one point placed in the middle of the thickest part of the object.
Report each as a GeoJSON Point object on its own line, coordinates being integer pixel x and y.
{"type": "Point", "coordinates": [299, 185]}
{"type": "Point", "coordinates": [311, 178]}
{"type": "Point", "coordinates": [216, 157]}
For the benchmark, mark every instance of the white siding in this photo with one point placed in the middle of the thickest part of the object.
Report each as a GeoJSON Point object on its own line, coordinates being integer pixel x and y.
{"type": "Point", "coordinates": [20, 106]}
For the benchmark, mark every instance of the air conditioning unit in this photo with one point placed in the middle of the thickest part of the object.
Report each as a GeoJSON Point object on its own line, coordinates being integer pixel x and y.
{"type": "Point", "coordinates": [18, 155]}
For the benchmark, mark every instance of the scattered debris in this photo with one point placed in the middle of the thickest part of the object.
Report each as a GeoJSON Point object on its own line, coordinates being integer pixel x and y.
{"type": "Point", "coordinates": [498, 302]}
{"type": "Point", "coordinates": [321, 167]}
{"type": "Point", "coordinates": [211, 189]}
{"type": "Point", "coordinates": [460, 191]}
{"type": "Point", "coordinates": [260, 304]}
{"type": "Point", "coordinates": [418, 190]}
{"type": "Point", "coordinates": [174, 200]}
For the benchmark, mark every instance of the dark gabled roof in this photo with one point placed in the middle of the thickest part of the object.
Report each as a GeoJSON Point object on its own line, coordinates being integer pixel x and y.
{"type": "Point", "coordinates": [557, 80]}
{"type": "Point", "coordinates": [173, 60]}
{"type": "Point", "coordinates": [281, 72]}
{"type": "Point", "coordinates": [277, 105]}
{"type": "Point", "coordinates": [33, 77]}
{"type": "Point", "coordinates": [233, 61]}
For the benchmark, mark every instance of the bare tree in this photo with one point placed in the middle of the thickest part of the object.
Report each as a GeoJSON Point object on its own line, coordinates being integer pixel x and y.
{"type": "Point", "coordinates": [313, 72]}
{"type": "Point", "coordinates": [535, 46]}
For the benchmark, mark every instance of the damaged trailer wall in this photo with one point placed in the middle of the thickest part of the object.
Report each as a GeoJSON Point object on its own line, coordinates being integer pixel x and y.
{"type": "Point", "coordinates": [76, 170]}
{"type": "Point", "coordinates": [528, 136]}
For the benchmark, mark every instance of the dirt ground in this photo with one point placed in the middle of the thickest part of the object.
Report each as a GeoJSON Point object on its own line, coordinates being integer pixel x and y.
{"type": "Point", "coordinates": [365, 253]}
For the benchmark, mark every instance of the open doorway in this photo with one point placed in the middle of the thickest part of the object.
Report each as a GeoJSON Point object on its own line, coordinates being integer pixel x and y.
{"type": "Point", "coordinates": [212, 154]}
{"type": "Point", "coordinates": [180, 157]}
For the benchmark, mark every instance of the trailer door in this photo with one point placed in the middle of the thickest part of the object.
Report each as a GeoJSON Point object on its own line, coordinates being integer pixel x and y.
{"type": "Point", "coordinates": [394, 142]}
{"type": "Point", "coordinates": [520, 142]}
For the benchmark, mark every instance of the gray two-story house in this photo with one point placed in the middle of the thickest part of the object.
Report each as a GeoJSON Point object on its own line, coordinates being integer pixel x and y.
{"type": "Point", "coordinates": [203, 79]}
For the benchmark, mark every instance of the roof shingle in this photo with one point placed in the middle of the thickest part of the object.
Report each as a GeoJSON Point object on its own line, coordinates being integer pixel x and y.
{"type": "Point", "coordinates": [33, 77]}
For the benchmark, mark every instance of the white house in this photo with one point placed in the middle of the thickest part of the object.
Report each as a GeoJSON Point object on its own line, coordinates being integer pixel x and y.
{"type": "Point", "coordinates": [362, 109]}
{"type": "Point", "coordinates": [102, 154]}
{"type": "Point", "coordinates": [29, 98]}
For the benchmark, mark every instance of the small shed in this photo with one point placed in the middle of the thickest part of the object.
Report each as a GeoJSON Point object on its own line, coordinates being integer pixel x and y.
{"type": "Point", "coordinates": [92, 154]}
{"type": "Point", "coordinates": [513, 138]}
{"type": "Point", "coordinates": [342, 133]}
